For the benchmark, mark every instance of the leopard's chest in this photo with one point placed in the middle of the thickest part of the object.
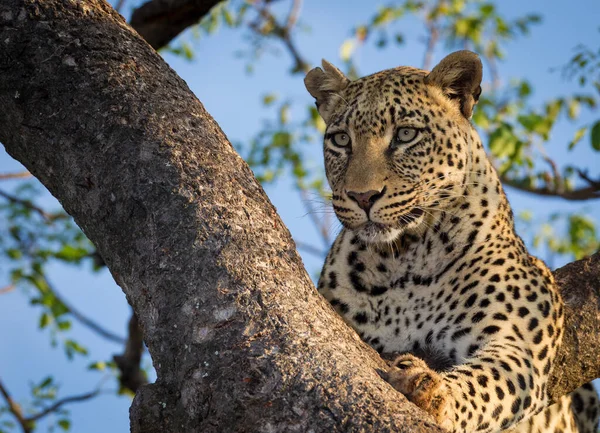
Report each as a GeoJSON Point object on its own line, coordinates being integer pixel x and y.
{"type": "Point", "coordinates": [402, 305]}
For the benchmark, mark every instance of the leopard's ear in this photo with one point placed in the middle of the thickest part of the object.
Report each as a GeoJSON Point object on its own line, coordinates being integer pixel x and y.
{"type": "Point", "coordinates": [459, 76]}
{"type": "Point", "coordinates": [325, 86]}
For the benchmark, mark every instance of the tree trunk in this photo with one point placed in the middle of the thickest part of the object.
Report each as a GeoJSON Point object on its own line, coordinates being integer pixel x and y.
{"type": "Point", "coordinates": [240, 339]}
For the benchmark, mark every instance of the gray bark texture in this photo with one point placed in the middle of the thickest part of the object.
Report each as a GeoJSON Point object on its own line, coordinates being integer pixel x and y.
{"type": "Point", "coordinates": [240, 339]}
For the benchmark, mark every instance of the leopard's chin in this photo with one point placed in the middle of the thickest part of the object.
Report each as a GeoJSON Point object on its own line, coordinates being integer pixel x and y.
{"type": "Point", "coordinates": [377, 233]}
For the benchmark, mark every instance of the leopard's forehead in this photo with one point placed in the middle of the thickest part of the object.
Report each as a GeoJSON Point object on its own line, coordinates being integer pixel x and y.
{"type": "Point", "coordinates": [370, 103]}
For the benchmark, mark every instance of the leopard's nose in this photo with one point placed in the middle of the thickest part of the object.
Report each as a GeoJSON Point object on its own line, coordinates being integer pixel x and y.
{"type": "Point", "coordinates": [365, 200]}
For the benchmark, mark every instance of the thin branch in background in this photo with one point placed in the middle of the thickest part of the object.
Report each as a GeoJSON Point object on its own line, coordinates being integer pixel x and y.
{"type": "Point", "coordinates": [78, 315]}
{"type": "Point", "coordinates": [6, 289]}
{"type": "Point", "coordinates": [57, 405]}
{"type": "Point", "coordinates": [15, 409]}
{"type": "Point", "coordinates": [293, 15]}
{"type": "Point", "coordinates": [580, 194]}
{"type": "Point", "coordinates": [282, 32]}
{"type": "Point", "coordinates": [26, 203]}
{"type": "Point", "coordinates": [18, 175]}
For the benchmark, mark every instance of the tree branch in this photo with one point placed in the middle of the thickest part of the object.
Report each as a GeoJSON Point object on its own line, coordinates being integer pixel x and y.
{"type": "Point", "coordinates": [579, 356]}
{"type": "Point", "coordinates": [239, 337]}
{"type": "Point", "coordinates": [160, 21]}
{"type": "Point", "coordinates": [15, 409]}
{"type": "Point", "coordinates": [83, 319]}
{"type": "Point", "coordinates": [585, 193]}
{"type": "Point", "coordinates": [282, 32]}
{"type": "Point", "coordinates": [27, 204]}
{"type": "Point", "coordinates": [59, 403]}
{"type": "Point", "coordinates": [19, 175]}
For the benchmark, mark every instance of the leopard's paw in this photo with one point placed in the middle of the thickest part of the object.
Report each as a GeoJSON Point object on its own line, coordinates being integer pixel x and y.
{"type": "Point", "coordinates": [421, 385]}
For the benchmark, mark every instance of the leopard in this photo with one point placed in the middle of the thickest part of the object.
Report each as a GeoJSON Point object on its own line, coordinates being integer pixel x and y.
{"type": "Point", "coordinates": [428, 265]}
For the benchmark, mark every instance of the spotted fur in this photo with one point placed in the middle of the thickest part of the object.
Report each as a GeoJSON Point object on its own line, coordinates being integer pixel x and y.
{"type": "Point", "coordinates": [428, 263]}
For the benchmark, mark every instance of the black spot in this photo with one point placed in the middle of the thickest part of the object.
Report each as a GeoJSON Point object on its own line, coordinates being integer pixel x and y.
{"type": "Point", "coordinates": [460, 333]}
{"type": "Point", "coordinates": [516, 406]}
{"type": "Point", "coordinates": [477, 317]}
{"type": "Point", "coordinates": [499, 393]}
{"type": "Point", "coordinates": [471, 300]}
{"type": "Point", "coordinates": [360, 318]}
{"type": "Point", "coordinates": [378, 290]}
{"type": "Point", "coordinates": [490, 330]}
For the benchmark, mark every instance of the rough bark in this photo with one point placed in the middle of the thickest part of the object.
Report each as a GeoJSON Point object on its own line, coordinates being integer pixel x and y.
{"type": "Point", "coordinates": [579, 355]}
{"type": "Point", "coordinates": [239, 338]}
{"type": "Point", "coordinates": [160, 21]}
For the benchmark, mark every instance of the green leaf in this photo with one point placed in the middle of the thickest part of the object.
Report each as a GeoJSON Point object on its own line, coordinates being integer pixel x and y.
{"type": "Point", "coordinates": [47, 381]}
{"type": "Point", "coordinates": [228, 17]}
{"type": "Point", "coordinates": [281, 139]}
{"type": "Point", "coordinates": [64, 325]}
{"type": "Point", "coordinates": [573, 109]}
{"type": "Point", "coordinates": [72, 347]}
{"type": "Point", "coordinates": [269, 98]}
{"type": "Point", "coordinates": [595, 136]}
{"type": "Point", "coordinates": [347, 49]}
{"type": "Point", "coordinates": [99, 365]}
{"type": "Point", "coordinates": [524, 89]}
{"type": "Point", "coordinates": [44, 320]}
{"type": "Point", "coordinates": [65, 424]}
{"type": "Point", "coordinates": [14, 254]}
{"type": "Point", "coordinates": [69, 253]}
{"type": "Point", "coordinates": [503, 141]}
{"type": "Point", "coordinates": [578, 136]}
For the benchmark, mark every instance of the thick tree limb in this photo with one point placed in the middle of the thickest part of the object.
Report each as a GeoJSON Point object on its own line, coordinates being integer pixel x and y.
{"type": "Point", "coordinates": [240, 339]}
{"type": "Point", "coordinates": [579, 356]}
{"type": "Point", "coordinates": [160, 21]}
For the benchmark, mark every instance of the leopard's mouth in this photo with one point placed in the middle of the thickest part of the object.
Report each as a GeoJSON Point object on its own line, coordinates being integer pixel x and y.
{"type": "Point", "coordinates": [376, 232]}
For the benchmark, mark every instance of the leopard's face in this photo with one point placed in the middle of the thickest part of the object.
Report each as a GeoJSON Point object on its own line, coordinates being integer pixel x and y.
{"type": "Point", "coordinates": [396, 151]}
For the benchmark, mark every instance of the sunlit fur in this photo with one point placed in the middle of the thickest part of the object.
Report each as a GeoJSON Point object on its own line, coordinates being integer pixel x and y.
{"type": "Point", "coordinates": [434, 269]}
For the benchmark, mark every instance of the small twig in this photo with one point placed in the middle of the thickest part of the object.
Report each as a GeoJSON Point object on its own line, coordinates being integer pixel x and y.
{"type": "Point", "coordinates": [6, 289]}
{"type": "Point", "coordinates": [283, 33]}
{"type": "Point", "coordinates": [18, 175]}
{"type": "Point", "coordinates": [556, 177]}
{"type": "Point", "coordinates": [85, 320]}
{"type": "Point", "coordinates": [62, 402]}
{"type": "Point", "coordinates": [15, 409]}
{"type": "Point", "coordinates": [293, 15]}
{"type": "Point", "coordinates": [588, 193]}
{"type": "Point", "coordinates": [583, 175]}
{"type": "Point", "coordinates": [26, 203]}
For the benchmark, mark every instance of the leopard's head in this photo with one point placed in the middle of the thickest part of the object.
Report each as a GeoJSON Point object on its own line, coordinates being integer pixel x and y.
{"type": "Point", "coordinates": [398, 142]}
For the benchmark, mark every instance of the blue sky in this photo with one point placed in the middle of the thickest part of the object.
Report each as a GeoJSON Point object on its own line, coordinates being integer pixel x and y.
{"type": "Point", "coordinates": [233, 97]}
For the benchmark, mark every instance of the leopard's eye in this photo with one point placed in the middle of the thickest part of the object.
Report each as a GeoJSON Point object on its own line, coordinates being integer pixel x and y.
{"type": "Point", "coordinates": [341, 139]}
{"type": "Point", "coordinates": [406, 135]}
